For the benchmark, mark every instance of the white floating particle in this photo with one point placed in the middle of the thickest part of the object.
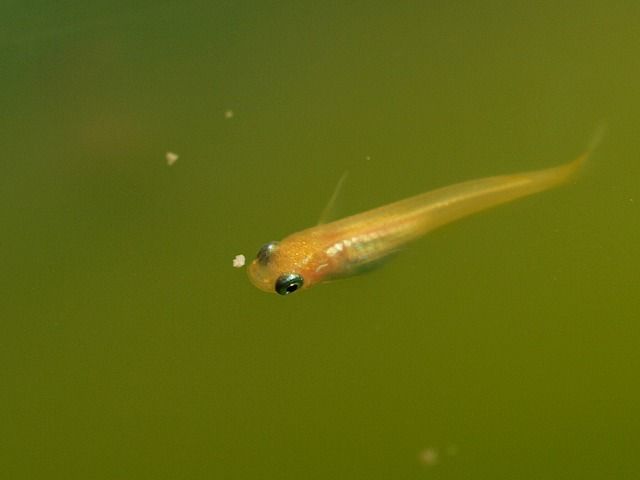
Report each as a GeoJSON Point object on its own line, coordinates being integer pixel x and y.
{"type": "Point", "coordinates": [228, 114]}
{"type": "Point", "coordinates": [238, 261]}
{"type": "Point", "coordinates": [171, 158]}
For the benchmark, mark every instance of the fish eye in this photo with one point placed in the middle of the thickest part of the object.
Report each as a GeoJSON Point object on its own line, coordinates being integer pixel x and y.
{"type": "Point", "coordinates": [266, 251]}
{"type": "Point", "coordinates": [288, 283]}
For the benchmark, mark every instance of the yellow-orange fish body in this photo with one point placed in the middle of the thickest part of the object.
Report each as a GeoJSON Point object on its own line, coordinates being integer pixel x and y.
{"type": "Point", "coordinates": [351, 245]}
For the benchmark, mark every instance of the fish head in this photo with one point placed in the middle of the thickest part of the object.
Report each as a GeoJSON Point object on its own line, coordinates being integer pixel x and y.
{"type": "Point", "coordinates": [284, 267]}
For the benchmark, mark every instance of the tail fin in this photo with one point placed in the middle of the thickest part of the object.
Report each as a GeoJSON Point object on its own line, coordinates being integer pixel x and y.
{"type": "Point", "coordinates": [594, 143]}
{"type": "Point", "coordinates": [596, 138]}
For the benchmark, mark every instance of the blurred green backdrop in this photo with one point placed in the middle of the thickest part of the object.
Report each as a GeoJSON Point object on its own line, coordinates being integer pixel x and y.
{"type": "Point", "coordinates": [504, 346]}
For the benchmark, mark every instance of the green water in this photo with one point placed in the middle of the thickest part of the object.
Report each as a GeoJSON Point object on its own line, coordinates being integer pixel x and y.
{"type": "Point", "coordinates": [504, 346]}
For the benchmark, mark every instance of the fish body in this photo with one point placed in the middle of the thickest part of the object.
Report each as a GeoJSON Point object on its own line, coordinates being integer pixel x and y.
{"type": "Point", "coordinates": [353, 244]}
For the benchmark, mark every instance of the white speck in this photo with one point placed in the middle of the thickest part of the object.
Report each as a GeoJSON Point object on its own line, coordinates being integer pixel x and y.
{"type": "Point", "coordinates": [228, 114]}
{"type": "Point", "coordinates": [429, 456]}
{"type": "Point", "coordinates": [171, 158]}
{"type": "Point", "coordinates": [367, 158]}
{"type": "Point", "coordinates": [238, 261]}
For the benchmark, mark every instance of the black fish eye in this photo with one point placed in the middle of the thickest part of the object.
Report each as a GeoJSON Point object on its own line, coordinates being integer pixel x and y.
{"type": "Point", "coordinates": [288, 283]}
{"type": "Point", "coordinates": [266, 251]}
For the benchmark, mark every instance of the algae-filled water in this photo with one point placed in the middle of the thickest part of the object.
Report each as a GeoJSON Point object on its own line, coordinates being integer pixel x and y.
{"type": "Point", "coordinates": [506, 345]}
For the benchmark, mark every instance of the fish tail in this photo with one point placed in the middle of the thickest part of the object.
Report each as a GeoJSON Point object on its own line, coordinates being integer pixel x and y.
{"type": "Point", "coordinates": [596, 139]}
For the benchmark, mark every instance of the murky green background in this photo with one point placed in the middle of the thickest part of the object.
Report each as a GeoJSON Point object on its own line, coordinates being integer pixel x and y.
{"type": "Point", "coordinates": [504, 346]}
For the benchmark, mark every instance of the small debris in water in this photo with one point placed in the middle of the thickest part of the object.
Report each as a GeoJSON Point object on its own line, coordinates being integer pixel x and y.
{"type": "Point", "coordinates": [228, 114]}
{"type": "Point", "coordinates": [171, 158]}
{"type": "Point", "coordinates": [239, 261]}
{"type": "Point", "coordinates": [429, 457]}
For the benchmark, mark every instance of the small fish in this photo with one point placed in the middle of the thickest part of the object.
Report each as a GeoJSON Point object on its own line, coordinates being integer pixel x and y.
{"type": "Point", "coordinates": [354, 244]}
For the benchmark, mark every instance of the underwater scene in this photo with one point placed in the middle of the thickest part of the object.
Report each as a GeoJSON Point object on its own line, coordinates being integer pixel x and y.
{"type": "Point", "coordinates": [163, 159]}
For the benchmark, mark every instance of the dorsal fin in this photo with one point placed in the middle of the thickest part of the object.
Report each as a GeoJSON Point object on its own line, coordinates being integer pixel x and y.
{"type": "Point", "coordinates": [327, 211]}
